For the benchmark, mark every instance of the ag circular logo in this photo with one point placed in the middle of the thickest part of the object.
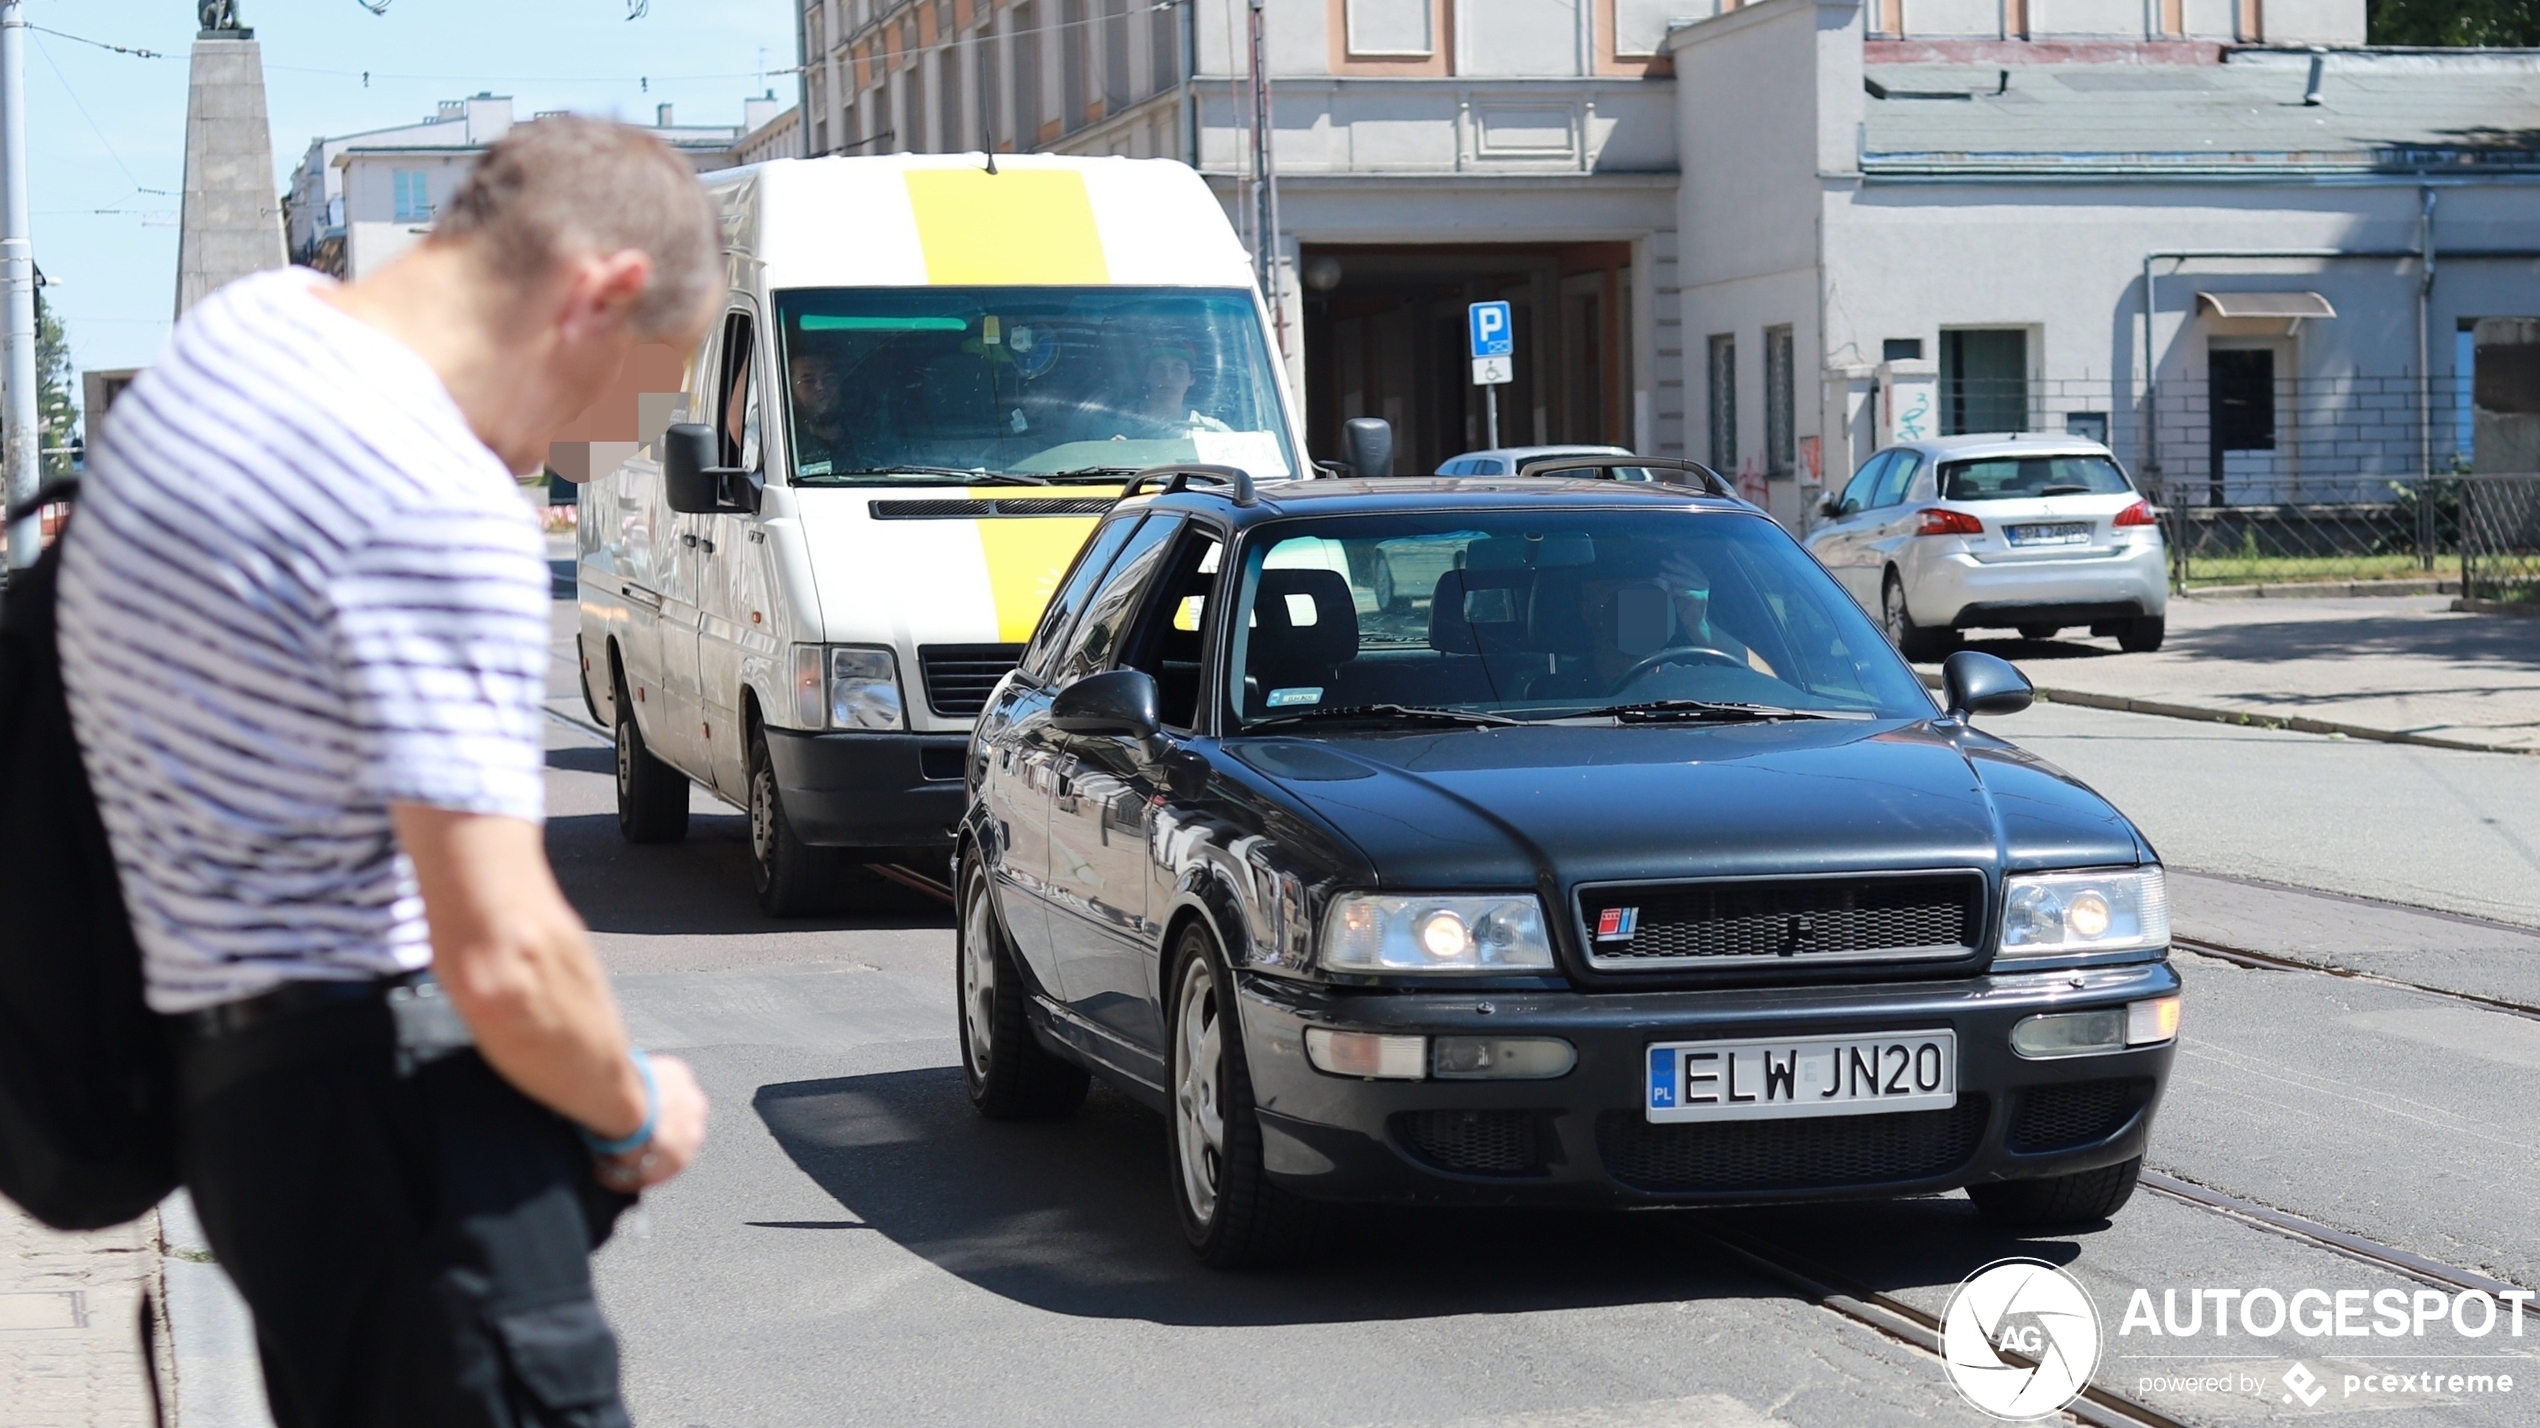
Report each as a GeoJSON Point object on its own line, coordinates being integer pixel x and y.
{"type": "Point", "coordinates": [2020, 1338]}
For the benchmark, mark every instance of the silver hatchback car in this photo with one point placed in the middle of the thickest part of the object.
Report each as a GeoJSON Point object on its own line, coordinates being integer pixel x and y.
{"type": "Point", "coordinates": [2020, 531]}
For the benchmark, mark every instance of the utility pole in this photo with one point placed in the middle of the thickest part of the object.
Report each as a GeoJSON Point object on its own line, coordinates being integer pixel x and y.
{"type": "Point", "coordinates": [17, 277]}
{"type": "Point", "coordinates": [1265, 177]}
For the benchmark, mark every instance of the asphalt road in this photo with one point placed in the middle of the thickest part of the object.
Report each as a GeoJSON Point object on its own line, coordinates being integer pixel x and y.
{"type": "Point", "coordinates": [857, 1248]}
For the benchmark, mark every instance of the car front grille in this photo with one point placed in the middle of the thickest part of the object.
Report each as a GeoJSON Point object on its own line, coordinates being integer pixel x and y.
{"type": "Point", "coordinates": [1811, 1153]}
{"type": "Point", "coordinates": [1794, 919]}
{"type": "Point", "coordinates": [959, 678]}
{"type": "Point", "coordinates": [1475, 1142]}
{"type": "Point", "coordinates": [2075, 1114]}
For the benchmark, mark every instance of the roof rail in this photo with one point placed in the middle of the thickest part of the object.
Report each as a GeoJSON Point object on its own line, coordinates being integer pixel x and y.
{"type": "Point", "coordinates": [1180, 478]}
{"type": "Point", "coordinates": [1708, 481]}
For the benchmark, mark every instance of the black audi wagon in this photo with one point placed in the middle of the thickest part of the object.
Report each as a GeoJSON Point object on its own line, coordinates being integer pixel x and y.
{"type": "Point", "coordinates": [1539, 840]}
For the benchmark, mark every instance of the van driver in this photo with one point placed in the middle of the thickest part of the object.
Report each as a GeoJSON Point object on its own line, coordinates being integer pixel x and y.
{"type": "Point", "coordinates": [1162, 410]}
{"type": "Point", "coordinates": [820, 429]}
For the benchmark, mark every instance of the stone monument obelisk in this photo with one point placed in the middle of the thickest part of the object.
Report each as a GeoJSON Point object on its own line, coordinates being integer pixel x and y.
{"type": "Point", "coordinates": [231, 224]}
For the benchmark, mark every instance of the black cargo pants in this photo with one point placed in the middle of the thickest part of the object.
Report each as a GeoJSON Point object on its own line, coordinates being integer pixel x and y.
{"type": "Point", "coordinates": [414, 1240]}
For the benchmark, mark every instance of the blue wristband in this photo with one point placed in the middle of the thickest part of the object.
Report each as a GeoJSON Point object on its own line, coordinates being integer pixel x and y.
{"type": "Point", "coordinates": [652, 1112]}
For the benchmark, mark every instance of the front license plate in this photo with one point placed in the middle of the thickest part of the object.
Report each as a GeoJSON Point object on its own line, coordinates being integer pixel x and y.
{"type": "Point", "coordinates": [2061, 533]}
{"type": "Point", "coordinates": [1778, 1079]}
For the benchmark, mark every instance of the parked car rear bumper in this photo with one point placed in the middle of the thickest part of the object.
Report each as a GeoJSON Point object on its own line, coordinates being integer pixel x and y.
{"type": "Point", "coordinates": [1956, 589]}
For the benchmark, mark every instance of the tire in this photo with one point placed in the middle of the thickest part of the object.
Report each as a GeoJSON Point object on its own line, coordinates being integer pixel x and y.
{"type": "Point", "coordinates": [1231, 1214]}
{"type": "Point", "coordinates": [791, 877]}
{"type": "Point", "coordinates": [652, 797]}
{"type": "Point", "coordinates": [2058, 1199]}
{"type": "Point", "coordinates": [1916, 642]}
{"type": "Point", "coordinates": [1011, 1075]}
{"type": "Point", "coordinates": [2040, 632]}
{"type": "Point", "coordinates": [2142, 634]}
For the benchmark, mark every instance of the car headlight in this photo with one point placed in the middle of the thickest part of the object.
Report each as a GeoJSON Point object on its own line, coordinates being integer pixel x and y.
{"type": "Point", "coordinates": [2054, 914]}
{"type": "Point", "coordinates": [1377, 932]}
{"type": "Point", "coordinates": [846, 687]}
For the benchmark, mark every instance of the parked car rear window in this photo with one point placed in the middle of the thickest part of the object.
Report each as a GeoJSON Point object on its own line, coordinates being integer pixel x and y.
{"type": "Point", "coordinates": [1547, 613]}
{"type": "Point", "coordinates": [2015, 478]}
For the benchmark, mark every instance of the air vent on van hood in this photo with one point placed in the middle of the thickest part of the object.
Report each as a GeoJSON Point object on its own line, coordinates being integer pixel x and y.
{"type": "Point", "coordinates": [969, 510]}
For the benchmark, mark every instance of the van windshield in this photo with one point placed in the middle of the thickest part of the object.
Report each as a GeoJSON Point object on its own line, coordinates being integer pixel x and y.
{"type": "Point", "coordinates": [904, 385]}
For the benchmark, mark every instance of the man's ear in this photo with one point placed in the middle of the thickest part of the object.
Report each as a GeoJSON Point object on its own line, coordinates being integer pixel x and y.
{"type": "Point", "coordinates": [603, 290]}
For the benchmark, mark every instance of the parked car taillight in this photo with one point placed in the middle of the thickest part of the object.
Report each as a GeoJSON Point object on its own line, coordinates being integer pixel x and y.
{"type": "Point", "coordinates": [2138, 514]}
{"type": "Point", "coordinates": [1940, 522]}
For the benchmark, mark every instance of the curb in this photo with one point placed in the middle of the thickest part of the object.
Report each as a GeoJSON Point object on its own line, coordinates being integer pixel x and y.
{"type": "Point", "coordinates": [2323, 590]}
{"type": "Point", "coordinates": [2496, 607]}
{"type": "Point", "coordinates": [2291, 723]}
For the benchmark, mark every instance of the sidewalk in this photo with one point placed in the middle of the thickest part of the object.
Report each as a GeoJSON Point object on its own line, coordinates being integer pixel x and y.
{"type": "Point", "coordinates": [2407, 668]}
{"type": "Point", "coordinates": [71, 1324]}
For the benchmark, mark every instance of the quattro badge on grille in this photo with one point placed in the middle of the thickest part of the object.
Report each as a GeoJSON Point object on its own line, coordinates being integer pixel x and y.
{"type": "Point", "coordinates": [1616, 924]}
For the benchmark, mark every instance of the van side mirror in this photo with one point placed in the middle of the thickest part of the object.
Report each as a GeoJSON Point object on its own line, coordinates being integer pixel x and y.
{"type": "Point", "coordinates": [690, 480]}
{"type": "Point", "coordinates": [1117, 703]}
{"type": "Point", "coordinates": [1367, 445]}
{"type": "Point", "coordinates": [1972, 682]}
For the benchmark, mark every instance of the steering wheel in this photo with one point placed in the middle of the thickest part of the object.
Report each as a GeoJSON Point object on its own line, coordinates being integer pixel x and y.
{"type": "Point", "coordinates": [1679, 654]}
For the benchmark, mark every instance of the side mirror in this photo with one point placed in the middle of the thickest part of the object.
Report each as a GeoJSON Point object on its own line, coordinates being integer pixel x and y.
{"type": "Point", "coordinates": [1119, 703]}
{"type": "Point", "coordinates": [1367, 445]}
{"type": "Point", "coordinates": [1831, 506]}
{"type": "Point", "coordinates": [1974, 683]}
{"type": "Point", "coordinates": [690, 480]}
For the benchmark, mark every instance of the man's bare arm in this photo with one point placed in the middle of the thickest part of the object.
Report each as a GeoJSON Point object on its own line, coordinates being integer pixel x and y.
{"type": "Point", "coordinates": [517, 965]}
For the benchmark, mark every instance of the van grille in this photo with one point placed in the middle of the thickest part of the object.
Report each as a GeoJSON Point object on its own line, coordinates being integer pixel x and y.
{"type": "Point", "coordinates": [964, 509]}
{"type": "Point", "coordinates": [959, 678]}
{"type": "Point", "coordinates": [1794, 919]}
{"type": "Point", "coordinates": [1813, 1153]}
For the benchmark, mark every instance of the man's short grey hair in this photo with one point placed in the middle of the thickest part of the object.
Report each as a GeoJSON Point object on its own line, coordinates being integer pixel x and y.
{"type": "Point", "coordinates": [563, 186]}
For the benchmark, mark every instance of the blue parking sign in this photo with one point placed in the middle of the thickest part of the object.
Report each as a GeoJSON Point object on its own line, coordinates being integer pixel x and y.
{"type": "Point", "coordinates": [1487, 323]}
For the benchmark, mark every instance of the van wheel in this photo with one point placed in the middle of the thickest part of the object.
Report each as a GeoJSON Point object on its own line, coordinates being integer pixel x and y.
{"type": "Point", "coordinates": [2142, 634]}
{"type": "Point", "coordinates": [792, 878]}
{"type": "Point", "coordinates": [1916, 642]}
{"type": "Point", "coordinates": [1011, 1075]}
{"type": "Point", "coordinates": [652, 797]}
{"type": "Point", "coordinates": [2058, 1199]}
{"type": "Point", "coordinates": [1232, 1215]}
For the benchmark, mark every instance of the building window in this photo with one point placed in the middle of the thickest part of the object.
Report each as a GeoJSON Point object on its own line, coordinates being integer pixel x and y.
{"type": "Point", "coordinates": [1027, 76]}
{"type": "Point", "coordinates": [1901, 349]}
{"type": "Point", "coordinates": [1724, 404]}
{"type": "Point", "coordinates": [1640, 26]}
{"type": "Point", "coordinates": [1983, 380]}
{"type": "Point", "coordinates": [414, 195]}
{"type": "Point", "coordinates": [1164, 48]}
{"type": "Point", "coordinates": [1383, 29]}
{"type": "Point", "coordinates": [1115, 55]}
{"type": "Point", "coordinates": [1076, 57]}
{"type": "Point", "coordinates": [1781, 417]}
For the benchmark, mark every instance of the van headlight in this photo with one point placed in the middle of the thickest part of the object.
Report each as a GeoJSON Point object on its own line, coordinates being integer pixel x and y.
{"type": "Point", "coordinates": [1380, 932]}
{"type": "Point", "coordinates": [2055, 914]}
{"type": "Point", "coordinates": [846, 687]}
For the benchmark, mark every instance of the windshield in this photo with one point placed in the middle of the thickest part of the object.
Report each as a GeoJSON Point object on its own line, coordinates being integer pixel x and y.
{"type": "Point", "coordinates": [1546, 614]}
{"type": "Point", "coordinates": [2017, 478]}
{"type": "Point", "coordinates": [1046, 381]}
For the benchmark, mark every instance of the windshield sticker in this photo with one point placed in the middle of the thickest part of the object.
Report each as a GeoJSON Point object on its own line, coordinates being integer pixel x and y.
{"type": "Point", "coordinates": [1255, 452]}
{"type": "Point", "coordinates": [1304, 694]}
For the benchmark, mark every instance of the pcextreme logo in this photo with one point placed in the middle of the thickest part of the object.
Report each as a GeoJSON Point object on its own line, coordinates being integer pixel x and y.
{"type": "Point", "coordinates": [2020, 1339]}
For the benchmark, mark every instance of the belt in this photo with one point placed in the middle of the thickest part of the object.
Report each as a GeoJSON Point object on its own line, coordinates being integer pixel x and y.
{"type": "Point", "coordinates": [288, 1000]}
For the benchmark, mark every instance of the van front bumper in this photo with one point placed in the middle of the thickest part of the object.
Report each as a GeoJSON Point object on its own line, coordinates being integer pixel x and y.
{"type": "Point", "coordinates": [876, 791]}
{"type": "Point", "coordinates": [1584, 1138]}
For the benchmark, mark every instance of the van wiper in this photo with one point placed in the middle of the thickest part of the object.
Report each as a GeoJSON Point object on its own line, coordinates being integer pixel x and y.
{"type": "Point", "coordinates": [967, 475]}
{"type": "Point", "coordinates": [1704, 711]}
{"type": "Point", "coordinates": [1098, 473]}
{"type": "Point", "coordinates": [1388, 711]}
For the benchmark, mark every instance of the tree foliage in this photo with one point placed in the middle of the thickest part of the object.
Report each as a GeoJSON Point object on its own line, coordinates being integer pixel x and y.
{"type": "Point", "coordinates": [2506, 23]}
{"type": "Point", "coordinates": [56, 422]}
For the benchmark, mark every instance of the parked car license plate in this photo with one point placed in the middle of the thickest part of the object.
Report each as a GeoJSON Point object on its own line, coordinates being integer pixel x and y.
{"type": "Point", "coordinates": [2059, 533]}
{"type": "Point", "coordinates": [1813, 1076]}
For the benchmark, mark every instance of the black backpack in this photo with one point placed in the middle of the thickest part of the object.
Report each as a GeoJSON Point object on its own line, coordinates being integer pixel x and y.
{"type": "Point", "coordinates": [87, 1124]}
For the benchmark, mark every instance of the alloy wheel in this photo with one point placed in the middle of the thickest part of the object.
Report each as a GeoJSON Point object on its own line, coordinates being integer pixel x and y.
{"type": "Point", "coordinates": [979, 980]}
{"type": "Point", "coordinates": [763, 822]}
{"type": "Point", "coordinates": [1199, 1121]}
{"type": "Point", "coordinates": [1892, 612]}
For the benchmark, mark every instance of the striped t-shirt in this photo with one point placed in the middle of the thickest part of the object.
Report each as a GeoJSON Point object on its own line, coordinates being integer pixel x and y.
{"type": "Point", "coordinates": [297, 589]}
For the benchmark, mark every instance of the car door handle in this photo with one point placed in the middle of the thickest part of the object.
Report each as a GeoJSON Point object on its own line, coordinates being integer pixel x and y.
{"type": "Point", "coordinates": [641, 596]}
{"type": "Point", "coordinates": [689, 541]}
{"type": "Point", "coordinates": [706, 544]}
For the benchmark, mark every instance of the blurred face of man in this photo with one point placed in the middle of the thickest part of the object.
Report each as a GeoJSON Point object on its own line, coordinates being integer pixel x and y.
{"type": "Point", "coordinates": [815, 385]}
{"type": "Point", "coordinates": [1168, 382]}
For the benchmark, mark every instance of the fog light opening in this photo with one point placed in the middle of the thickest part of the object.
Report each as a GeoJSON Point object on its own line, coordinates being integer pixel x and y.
{"type": "Point", "coordinates": [2089, 1033]}
{"type": "Point", "coordinates": [2151, 1022]}
{"type": "Point", "coordinates": [1366, 1054]}
{"type": "Point", "coordinates": [1502, 1058]}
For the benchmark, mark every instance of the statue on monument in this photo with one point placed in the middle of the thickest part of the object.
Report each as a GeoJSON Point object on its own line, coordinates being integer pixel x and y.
{"type": "Point", "coordinates": [220, 18]}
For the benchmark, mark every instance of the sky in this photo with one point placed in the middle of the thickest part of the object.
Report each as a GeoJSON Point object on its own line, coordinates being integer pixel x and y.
{"type": "Point", "coordinates": [105, 129]}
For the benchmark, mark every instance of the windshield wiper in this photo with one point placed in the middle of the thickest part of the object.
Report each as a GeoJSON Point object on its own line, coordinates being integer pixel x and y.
{"type": "Point", "coordinates": [2065, 491]}
{"type": "Point", "coordinates": [1388, 711]}
{"type": "Point", "coordinates": [968, 475]}
{"type": "Point", "coordinates": [1704, 711]}
{"type": "Point", "coordinates": [1096, 473]}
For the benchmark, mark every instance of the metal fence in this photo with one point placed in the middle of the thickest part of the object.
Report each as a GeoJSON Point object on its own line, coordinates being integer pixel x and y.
{"type": "Point", "coordinates": [2478, 532]}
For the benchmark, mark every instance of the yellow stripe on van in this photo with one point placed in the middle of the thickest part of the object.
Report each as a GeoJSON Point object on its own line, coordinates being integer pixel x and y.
{"type": "Point", "coordinates": [1018, 228]}
{"type": "Point", "coordinates": [1026, 558]}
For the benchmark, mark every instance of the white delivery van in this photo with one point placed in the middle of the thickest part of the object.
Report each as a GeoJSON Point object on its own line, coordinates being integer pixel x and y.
{"type": "Point", "coordinates": [928, 381]}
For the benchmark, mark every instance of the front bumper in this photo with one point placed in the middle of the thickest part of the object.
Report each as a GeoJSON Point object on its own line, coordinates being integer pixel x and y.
{"type": "Point", "coordinates": [870, 790]}
{"type": "Point", "coordinates": [1582, 1139]}
{"type": "Point", "coordinates": [1957, 590]}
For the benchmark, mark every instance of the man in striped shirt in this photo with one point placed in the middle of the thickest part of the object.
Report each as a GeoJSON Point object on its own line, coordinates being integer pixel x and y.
{"type": "Point", "coordinates": [303, 621]}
